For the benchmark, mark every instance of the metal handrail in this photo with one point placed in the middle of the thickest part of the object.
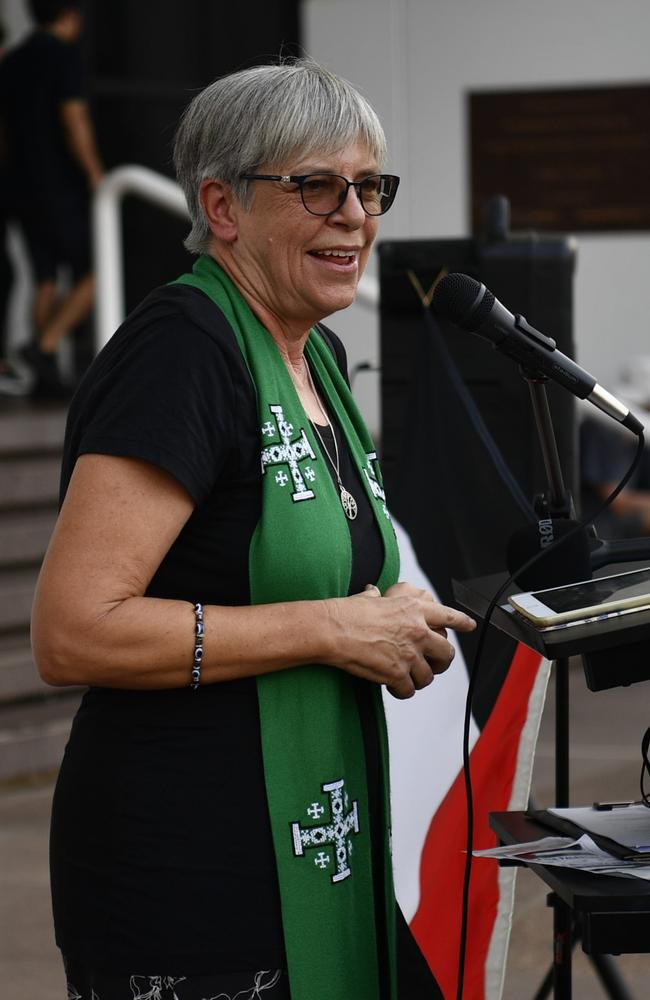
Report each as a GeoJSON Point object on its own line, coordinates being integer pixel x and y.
{"type": "Point", "coordinates": [107, 240]}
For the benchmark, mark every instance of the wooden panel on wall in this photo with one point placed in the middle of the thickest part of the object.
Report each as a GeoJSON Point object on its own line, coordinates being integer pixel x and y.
{"type": "Point", "coordinates": [569, 160]}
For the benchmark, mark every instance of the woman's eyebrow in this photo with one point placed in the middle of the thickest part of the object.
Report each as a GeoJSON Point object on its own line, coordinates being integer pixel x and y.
{"type": "Point", "coordinates": [315, 168]}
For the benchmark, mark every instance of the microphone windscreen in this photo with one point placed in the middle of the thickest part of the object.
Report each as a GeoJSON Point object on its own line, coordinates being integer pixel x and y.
{"type": "Point", "coordinates": [566, 564]}
{"type": "Point", "coordinates": [462, 300]}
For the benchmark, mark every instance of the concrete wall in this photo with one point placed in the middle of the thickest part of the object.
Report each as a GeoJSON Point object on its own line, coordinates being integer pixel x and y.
{"type": "Point", "coordinates": [15, 19]}
{"type": "Point", "coordinates": [416, 60]}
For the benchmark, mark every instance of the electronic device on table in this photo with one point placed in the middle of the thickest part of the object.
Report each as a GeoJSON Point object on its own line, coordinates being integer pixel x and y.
{"type": "Point", "coordinates": [607, 595]}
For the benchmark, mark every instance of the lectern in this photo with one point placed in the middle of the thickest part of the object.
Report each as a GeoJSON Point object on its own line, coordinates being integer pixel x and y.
{"type": "Point", "coordinates": [613, 914]}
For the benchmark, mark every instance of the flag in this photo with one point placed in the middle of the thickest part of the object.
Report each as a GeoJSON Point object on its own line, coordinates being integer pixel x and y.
{"type": "Point", "coordinates": [447, 494]}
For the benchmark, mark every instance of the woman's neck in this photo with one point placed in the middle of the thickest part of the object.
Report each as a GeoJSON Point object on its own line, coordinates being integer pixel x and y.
{"type": "Point", "coordinates": [289, 334]}
{"type": "Point", "coordinates": [290, 338]}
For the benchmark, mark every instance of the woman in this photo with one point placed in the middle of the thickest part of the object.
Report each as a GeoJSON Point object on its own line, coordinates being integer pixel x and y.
{"type": "Point", "coordinates": [220, 825]}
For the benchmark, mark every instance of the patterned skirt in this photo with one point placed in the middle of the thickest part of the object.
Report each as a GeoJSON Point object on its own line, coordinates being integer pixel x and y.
{"type": "Point", "coordinates": [83, 984]}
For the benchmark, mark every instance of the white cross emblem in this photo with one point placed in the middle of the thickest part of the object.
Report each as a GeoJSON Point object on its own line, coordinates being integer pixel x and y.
{"type": "Point", "coordinates": [315, 810]}
{"type": "Point", "coordinates": [282, 478]}
{"type": "Point", "coordinates": [288, 452]}
{"type": "Point", "coordinates": [322, 860]}
{"type": "Point", "coordinates": [371, 476]}
{"type": "Point", "coordinates": [268, 429]}
{"type": "Point", "coordinates": [335, 832]}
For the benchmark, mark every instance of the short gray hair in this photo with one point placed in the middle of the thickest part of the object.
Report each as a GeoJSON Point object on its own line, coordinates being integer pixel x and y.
{"type": "Point", "coordinates": [266, 115]}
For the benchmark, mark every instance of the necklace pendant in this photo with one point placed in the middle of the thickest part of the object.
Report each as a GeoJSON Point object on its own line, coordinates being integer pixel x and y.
{"type": "Point", "coordinates": [348, 503]}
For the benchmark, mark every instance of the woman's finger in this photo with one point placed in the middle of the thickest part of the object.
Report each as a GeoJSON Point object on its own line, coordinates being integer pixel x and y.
{"type": "Point", "coordinates": [439, 653]}
{"type": "Point", "coordinates": [440, 616]}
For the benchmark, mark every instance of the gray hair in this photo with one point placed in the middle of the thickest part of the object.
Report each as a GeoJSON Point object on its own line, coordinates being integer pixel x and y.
{"type": "Point", "coordinates": [266, 115]}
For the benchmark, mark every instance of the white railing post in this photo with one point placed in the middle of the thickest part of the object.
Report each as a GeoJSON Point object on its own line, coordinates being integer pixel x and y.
{"type": "Point", "coordinates": [107, 236]}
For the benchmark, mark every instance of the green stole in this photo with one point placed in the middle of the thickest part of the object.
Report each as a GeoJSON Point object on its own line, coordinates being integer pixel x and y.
{"type": "Point", "coordinates": [314, 758]}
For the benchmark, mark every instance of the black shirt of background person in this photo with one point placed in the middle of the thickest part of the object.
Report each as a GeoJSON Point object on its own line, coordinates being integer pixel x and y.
{"type": "Point", "coordinates": [606, 453]}
{"type": "Point", "coordinates": [35, 79]}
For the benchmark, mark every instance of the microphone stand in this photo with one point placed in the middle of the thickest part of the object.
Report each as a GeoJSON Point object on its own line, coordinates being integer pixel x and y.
{"type": "Point", "coordinates": [603, 552]}
{"type": "Point", "coordinates": [559, 504]}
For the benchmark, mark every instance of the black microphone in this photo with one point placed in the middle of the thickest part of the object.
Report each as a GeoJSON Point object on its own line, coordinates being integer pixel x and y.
{"type": "Point", "coordinates": [470, 305]}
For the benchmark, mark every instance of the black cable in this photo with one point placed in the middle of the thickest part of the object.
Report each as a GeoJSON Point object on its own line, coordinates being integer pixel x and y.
{"type": "Point", "coordinates": [476, 418]}
{"type": "Point", "coordinates": [645, 766]}
{"type": "Point", "coordinates": [470, 694]}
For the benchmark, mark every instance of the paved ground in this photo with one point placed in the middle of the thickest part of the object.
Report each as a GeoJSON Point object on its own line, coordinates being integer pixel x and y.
{"type": "Point", "coordinates": [606, 729]}
{"type": "Point", "coordinates": [30, 968]}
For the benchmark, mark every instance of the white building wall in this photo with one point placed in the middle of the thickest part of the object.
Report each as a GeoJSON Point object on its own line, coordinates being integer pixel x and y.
{"type": "Point", "coordinates": [416, 60]}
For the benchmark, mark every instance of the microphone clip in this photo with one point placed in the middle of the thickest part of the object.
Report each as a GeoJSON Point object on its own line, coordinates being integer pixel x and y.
{"type": "Point", "coordinates": [546, 509]}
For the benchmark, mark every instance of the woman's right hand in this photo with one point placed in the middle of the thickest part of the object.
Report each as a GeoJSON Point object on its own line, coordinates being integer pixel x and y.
{"type": "Point", "coordinates": [399, 640]}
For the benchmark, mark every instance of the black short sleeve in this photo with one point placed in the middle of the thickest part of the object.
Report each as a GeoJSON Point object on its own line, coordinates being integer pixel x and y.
{"type": "Point", "coordinates": [68, 78]}
{"type": "Point", "coordinates": [161, 391]}
{"type": "Point", "coordinates": [606, 453]}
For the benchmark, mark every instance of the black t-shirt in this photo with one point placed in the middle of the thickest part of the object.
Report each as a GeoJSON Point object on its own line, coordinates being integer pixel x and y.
{"type": "Point", "coordinates": [35, 79]}
{"type": "Point", "coordinates": [606, 453]}
{"type": "Point", "coordinates": [161, 843]}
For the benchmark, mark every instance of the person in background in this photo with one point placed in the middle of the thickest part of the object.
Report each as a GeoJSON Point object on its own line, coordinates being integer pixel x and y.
{"type": "Point", "coordinates": [224, 578]}
{"type": "Point", "coordinates": [12, 382]}
{"type": "Point", "coordinates": [606, 453]}
{"type": "Point", "coordinates": [52, 167]}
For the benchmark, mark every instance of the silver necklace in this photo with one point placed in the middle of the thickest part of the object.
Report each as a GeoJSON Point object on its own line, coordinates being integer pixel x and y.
{"type": "Point", "coordinates": [348, 503]}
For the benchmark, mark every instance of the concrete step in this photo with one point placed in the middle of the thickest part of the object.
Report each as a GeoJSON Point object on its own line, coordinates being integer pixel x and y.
{"type": "Point", "coordinates": [34, 719]}
{"type": "Point", "coordinates": [16, 595]}
{"type": "Point", "coordinates": [29, 482]}
{"type": "Point", "coordinates": [25, 428]}
{"type": "Point", "coordinates": [19, 678]}
{"type": "Point", "coordinates": [24, 536]}
{"type": "Point", "coordinates": [33, 735]}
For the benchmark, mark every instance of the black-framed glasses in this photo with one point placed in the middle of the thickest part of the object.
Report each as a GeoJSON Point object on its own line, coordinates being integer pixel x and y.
{"type": "Point", "coordinates": [324, 194]}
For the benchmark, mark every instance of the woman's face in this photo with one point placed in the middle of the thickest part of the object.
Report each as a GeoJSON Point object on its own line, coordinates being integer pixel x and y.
{"type": "Point", "coordinates": [280, 250]}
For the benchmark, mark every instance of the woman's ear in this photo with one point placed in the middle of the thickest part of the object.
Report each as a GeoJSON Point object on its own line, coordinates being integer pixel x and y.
{"type": "Point", "coordinates": [220, 209]}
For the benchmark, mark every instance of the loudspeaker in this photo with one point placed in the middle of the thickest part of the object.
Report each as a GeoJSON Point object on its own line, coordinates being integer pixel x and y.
{"type": "Point", "coordinates": [530, 275]}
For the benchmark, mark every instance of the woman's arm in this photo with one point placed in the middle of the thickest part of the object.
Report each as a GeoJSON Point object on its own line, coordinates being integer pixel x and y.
{"type": "Point", "coordinates": [80, 137]}
{"type": "Point", "coordinates": [92, 624]}
{"type": "Point", "coordinates": [632, 503]}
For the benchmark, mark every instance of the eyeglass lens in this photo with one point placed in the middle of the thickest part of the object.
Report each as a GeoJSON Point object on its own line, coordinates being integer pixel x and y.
{"type": "Point", "coordinates": [325, 193]}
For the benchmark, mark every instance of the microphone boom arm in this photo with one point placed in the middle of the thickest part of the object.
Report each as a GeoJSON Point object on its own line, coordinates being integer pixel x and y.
{"type": "Point", "coordinates": [560, 500]}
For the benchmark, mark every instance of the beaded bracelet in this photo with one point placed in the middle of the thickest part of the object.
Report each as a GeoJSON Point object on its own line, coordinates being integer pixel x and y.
{"type": "Point", "coordinates": [198, 646]}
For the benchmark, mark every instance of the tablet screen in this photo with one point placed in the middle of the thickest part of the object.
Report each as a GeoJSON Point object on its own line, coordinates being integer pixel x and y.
{"type": "Point", "coordinates": [593, 592]}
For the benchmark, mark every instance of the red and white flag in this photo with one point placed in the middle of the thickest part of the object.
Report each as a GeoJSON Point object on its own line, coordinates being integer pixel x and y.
{"type": "Point", "coordinates": [456, 504]}
{"type": "Point", "coordinates": [429, 808]}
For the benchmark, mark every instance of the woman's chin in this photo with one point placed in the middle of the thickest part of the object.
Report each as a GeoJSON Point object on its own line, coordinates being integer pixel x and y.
{"type": "Point", "coordinates": [334, 296]}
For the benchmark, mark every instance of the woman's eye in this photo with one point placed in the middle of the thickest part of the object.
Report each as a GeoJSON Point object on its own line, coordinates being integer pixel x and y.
{"type": "Point", "coordinates": [372, 186]}
{"type": "Point", "coordinates": [315, 184]}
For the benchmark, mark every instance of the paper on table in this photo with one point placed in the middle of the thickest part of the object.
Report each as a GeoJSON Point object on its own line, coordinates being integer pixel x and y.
{"type": "Point", "coordinates": [562, 852]}
{"type": "Point", "coordinates": [534, 846]}
{"type": "Point", "coordinates": [627, 825]}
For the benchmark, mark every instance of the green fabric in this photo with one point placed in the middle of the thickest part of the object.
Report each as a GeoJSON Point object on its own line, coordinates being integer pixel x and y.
{"type": "Point", "coordinates": [314, 759]}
